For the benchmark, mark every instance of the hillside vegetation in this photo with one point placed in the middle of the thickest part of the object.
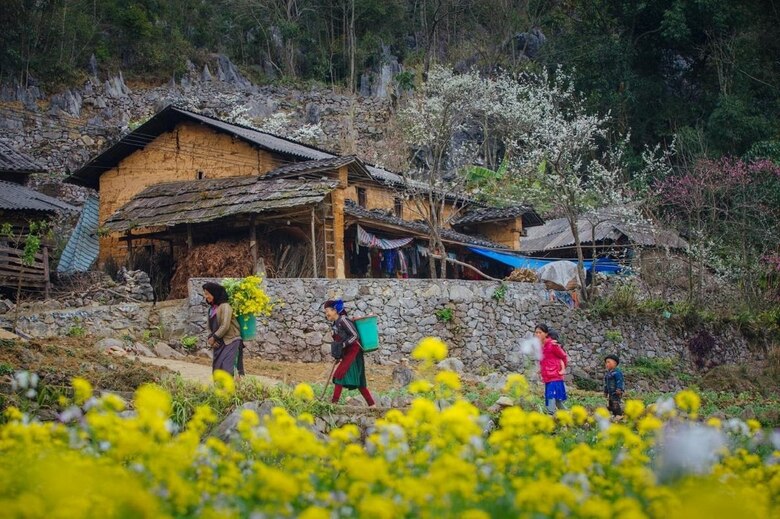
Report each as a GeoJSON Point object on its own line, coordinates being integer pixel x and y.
{"type": "Point", "coordinates": [704, 69]}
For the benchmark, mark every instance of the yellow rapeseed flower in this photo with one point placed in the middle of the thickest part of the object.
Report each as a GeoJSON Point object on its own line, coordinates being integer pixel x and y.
{"type": "Point", "coordinates": [754, 425]}
{"type": "Point", "coordinates": [224, 385]}
{"type": "Point", "coordinates": [430, 349]}
{"type": "Point", "coordinates": [516, 386]}
{"type": "Point", "coordinates": [315, 512]}
{"type": "Point", "coordinates": [420, 386]}
{"type": "Point", "coordinates": [688, 401]}
{"type": "Point", "coordinates": [448, 379]}
{"type": "Point", "coordinates": [82, 390]}
{"type": "Point", "coordinates": [580, 414]}
{"type": "Point", "coordinates": [304, 392]}
{"type": "Point", "coordinates": [633, 409]}
{"type": "Point", "coordinates": [649, 424]}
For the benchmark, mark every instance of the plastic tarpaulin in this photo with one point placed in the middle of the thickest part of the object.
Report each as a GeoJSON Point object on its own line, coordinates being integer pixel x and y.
{"type": "Point", "coordinates": [605, 266]}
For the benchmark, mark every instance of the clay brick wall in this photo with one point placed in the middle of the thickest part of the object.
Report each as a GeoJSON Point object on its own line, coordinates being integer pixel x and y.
{"type": "Point", "coordinates": [378, 197]}
{"type": "Point", "coordinates": [174, 156]}
{"type": "Point", "coordinates": [507, 232]}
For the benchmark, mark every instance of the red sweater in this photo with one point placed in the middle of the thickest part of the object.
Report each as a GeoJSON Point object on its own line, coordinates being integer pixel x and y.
{"type": "Point", "coordinates": [550, 365]}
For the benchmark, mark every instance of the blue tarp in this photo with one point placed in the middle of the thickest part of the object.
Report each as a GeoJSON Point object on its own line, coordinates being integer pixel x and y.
{"type": "Point", "coordinates": [606, 266]}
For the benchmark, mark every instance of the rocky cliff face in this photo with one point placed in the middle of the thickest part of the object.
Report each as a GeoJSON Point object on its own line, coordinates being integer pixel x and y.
{"type": "Point", "coordinates": [66, 129]}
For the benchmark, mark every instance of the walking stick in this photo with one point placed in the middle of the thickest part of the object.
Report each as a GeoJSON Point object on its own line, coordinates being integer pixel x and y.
{"type": "Point", "coordinates": [330, 377]}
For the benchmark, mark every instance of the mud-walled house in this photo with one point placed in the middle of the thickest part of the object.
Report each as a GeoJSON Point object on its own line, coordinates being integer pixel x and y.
{"type": "Point", "coordinates": [20, 208]}
{"type": "Point", "coordinates": [183, 180]}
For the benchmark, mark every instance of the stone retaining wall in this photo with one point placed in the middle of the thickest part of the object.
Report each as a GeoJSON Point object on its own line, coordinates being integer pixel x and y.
{"type": "Point", "coordinates": [484, 332]}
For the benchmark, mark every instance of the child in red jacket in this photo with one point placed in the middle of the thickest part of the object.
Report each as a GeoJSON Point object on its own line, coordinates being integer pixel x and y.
{"type": "Point", "coordinates": [552, 367]}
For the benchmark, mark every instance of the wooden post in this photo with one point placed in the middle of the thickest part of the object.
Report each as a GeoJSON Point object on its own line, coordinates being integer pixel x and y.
{"type": "Point", "coordinates": [129, 235]}
{"type": "Point", "coordinates": [189, 238]}
{"type": "Point", "coordinates": [46, 270]}
{"type": "Point", "coordinates": [313, 244]}
{"type": "Point", "coordinates": [253, 242]}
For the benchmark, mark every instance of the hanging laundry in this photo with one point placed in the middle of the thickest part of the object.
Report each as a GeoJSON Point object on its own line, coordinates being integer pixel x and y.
{"type": "Point", "coordinates": [403, 266]}
{"type": "Point", "coordinates": [372, 240]}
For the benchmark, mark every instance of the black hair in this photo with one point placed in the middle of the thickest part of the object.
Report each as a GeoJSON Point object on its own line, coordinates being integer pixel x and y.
{"type": "Point", "coordinates": [554, 335]}
{"type": "Point", "coordinates": [217, 291]}
{"type": "Point", "coordinates": [542, 327]}
{"type": "Point", "coordinates": [613, 357]}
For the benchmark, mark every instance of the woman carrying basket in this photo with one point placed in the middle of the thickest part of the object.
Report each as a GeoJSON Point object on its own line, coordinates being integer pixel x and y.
{"type": "Point", "coordinates": [351, 370]}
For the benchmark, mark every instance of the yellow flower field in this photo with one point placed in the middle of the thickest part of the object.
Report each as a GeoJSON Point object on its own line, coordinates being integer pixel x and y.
{"type": "Point", "coordinates": [439, 458]}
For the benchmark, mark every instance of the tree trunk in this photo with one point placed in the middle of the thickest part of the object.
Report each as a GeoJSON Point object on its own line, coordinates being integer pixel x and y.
{"type": "Point", "coordinates": [580, 256]}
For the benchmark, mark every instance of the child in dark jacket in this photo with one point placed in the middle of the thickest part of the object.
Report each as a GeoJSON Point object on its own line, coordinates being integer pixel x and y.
{"type": "Point", "coordinates": [613, 385]}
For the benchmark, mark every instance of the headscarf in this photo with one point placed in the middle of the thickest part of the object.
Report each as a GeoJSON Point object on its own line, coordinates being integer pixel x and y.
{"type": "Point", "coordinates": [218, 291]}
{"type": "Point", "coordinates": [336, 304]}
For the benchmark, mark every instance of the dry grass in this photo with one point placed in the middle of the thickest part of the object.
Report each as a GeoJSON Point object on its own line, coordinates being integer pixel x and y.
{"type": "Point", "coordinates": [379, 378]}
{"type": "Point", "coordinates": [59, 359]}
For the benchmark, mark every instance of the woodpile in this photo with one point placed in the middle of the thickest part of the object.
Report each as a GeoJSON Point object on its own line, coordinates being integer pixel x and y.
{"type": "Point", "coordinates": [522, 276]}
{"type": "Point", "coordinates": [223, 259]}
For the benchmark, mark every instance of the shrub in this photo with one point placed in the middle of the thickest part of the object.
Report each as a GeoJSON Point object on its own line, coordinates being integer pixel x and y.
{"type": "Point", "coordinates": [76, 331]}
{"type": "Point", "coordinates": [444, 315]}
{"type": "Point", "coordinates": [189, 342]}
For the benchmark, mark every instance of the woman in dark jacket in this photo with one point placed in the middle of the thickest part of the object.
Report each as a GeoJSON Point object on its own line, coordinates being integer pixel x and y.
{"type": "Point", "coordinates": [225, 335]}
{"type": "Point", "coordinates": [351, 371]}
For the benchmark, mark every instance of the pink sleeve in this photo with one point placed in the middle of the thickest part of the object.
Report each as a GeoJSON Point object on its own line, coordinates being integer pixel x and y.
{"type": "Point", "coordinates": [558, 352]}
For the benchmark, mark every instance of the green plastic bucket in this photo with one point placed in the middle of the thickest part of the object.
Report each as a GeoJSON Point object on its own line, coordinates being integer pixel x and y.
{"type": "Point", "coordinates": [368, 330]}
{"type": "Point", "coordinates": [248, 326]}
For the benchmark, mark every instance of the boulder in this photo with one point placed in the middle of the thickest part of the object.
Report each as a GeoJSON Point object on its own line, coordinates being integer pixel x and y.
{"type": "Point", "coordinates": [402, 375]}
{"type": "Point", "coordinates": [451, 364]}
{"type": "Point", "coordinates": [109, 343]}
{"type": "Point", "coordinates": [143, 350]}
{"type": "Point", "coordinates": [494, 381]}
{"type": "Point", "coordinates": [227, 428]}
{"type": "Point", "coordinates": [505, 401]}
{"type": "Point", "coordinates": [166, 352]}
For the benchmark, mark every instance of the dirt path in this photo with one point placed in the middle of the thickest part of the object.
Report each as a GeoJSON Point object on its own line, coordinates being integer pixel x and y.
{"type": "Point", "coordinates": [199, 372]}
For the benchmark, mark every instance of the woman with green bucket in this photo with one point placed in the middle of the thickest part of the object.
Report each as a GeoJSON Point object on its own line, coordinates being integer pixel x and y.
{"type": "Point", "coordinates": [351, 370]}
{"type": "Point", "coordinates": [225, 337]}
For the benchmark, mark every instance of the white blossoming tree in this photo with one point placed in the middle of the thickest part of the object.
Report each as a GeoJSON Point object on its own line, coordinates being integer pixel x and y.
{"type": "Point", "coordinates": [447, 106]}
{"type": "Point", "coordinates": [557, 154]}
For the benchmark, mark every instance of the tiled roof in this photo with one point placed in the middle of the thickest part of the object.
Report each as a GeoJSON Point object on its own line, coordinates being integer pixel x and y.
{"type": "Point", "coordinates": [418, 228]}
{"type": "Point", "coordinates": [196, 201]}
{"type": "Point", "coordinates": [168, 118]}
{"type": "Point", "coordinates": [19, 198]}
{"type": "Point", "coordinates": [492, 214]}
{"type": "Point", "coordinates": [17, 162]}
{"type": "Point", "coordinates": [82, 248]}
{"type": "Point", "coordinates": [309, 167]}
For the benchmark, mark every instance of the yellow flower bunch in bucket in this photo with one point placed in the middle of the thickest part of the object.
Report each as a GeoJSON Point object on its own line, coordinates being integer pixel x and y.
{"type": "Point", "coordinates": [248, 301]}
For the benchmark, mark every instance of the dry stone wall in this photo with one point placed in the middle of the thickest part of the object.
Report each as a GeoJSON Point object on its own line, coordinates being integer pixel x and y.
{"type": "Point", "coordinates": [484, 332]}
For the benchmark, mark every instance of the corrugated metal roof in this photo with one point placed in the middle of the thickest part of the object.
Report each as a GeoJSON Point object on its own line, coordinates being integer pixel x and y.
{"type": "Point", "coordinates": [418, 228]}
{"type": "Point", "coordinates": [195, 201]}
{"type": "Point", "coordinates": [17, 162]}
{"type": "Point", "coordinates": [82, 248]}
{"type": "Point", "coordinates": [556, 234]}
{"type": "Point", "coordinates": [19, 198]}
